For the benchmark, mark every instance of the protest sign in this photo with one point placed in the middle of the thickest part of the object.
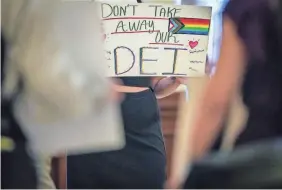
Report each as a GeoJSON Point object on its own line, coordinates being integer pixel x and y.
{"type": "Point", "coordinates": [155, 39]}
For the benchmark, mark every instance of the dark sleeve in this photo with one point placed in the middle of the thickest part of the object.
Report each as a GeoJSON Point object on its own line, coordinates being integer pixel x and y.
{"type": "Point", "coordinates": [248, 16]}
{"type": "Point", "coordinates": [136, 81]}
{"type": "Point", "coordinates": [239, 10]}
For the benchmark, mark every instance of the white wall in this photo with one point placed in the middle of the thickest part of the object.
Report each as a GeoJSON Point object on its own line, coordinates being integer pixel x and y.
{"type": "Point", "coordinates": [188, 2]}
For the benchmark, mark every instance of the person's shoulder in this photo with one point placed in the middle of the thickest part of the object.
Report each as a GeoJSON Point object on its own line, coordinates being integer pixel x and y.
{"type": "Point", "coordinates": [243, 5]}
{"type": "Point", "coordinates": [238, 9]}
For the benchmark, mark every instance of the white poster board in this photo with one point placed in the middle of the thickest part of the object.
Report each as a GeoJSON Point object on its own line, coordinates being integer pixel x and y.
{"type": "Point", "coordinates": [155, 39]}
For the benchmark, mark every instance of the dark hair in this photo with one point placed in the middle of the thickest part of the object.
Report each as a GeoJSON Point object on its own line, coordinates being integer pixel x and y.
{"type": "Point", "coordinates": [279, 28]}
{"type": "Point", "coordinates": [139, 1]}
{"type": "Point", "coordinates": [273, 36]}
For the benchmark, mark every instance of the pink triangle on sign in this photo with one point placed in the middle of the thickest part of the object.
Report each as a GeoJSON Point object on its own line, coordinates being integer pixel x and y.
{"type": "Point", "coordinates": [170, 25]}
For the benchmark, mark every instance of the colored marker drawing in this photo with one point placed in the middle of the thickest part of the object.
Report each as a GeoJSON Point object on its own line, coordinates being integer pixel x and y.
{"type": "Point", "coordinates": [193, 26]}
{"type": "Point", "coordinates": [193, 44]}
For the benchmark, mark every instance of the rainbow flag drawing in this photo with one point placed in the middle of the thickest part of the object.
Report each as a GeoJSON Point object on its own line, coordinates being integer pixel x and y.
{"type": "Point", "coordinates": [193, 26]}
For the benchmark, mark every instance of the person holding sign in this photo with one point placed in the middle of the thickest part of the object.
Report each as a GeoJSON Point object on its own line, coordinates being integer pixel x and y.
{"type": "Point", "coordinates": [142, 162]}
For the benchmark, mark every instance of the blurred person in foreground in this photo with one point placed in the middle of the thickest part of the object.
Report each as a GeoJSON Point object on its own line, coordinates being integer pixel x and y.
{"type": "Point", "coordinates": [40, 74]}
{"type": "Point", "coordinates": [250, 60]}
{"type": "Point", "coordinates": [142, 162]}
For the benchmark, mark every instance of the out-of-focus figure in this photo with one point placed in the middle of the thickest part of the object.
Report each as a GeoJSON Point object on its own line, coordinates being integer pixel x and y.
{"type": "Point", "coordinates": [17, 169]}
{"type": "Point", "coordinates": [53, 50]}
{"type": "Point", "coordinates": [141, 164]}
{"type": "Point", "coordinates": [250, 60]}
{"type": "Point", "coordinates": [55, 93]}
{"type": "Point", "coordinates": [255, 67]}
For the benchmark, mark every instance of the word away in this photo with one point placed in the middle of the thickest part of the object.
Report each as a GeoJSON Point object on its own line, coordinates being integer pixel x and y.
{"type": "Point", "coordinates": [135, 26]}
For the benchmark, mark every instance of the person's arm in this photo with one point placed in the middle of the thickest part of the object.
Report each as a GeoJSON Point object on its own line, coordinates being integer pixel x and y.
{"type": "Point", "coordinates": [219, 90]}
{"type": "Point", "coordinates": [164, 87]}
